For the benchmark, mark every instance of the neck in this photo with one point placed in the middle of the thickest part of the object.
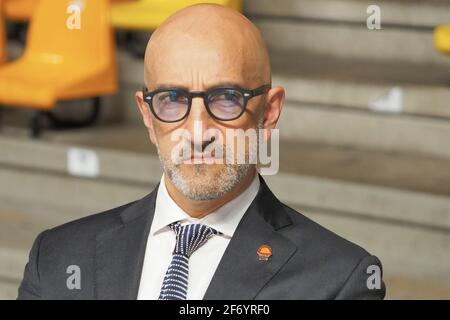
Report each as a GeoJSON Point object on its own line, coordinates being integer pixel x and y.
{"type": "Point", "coordinates": [200, 209]}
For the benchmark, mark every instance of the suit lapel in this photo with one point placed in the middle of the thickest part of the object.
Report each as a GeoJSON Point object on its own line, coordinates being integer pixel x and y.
{"type": "Point", "coordinates": [240, 274]}
{"type": "Point", "coordinates": [120, 251]}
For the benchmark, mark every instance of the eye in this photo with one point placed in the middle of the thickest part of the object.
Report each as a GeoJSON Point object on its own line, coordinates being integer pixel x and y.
{"type": "Point", "coordinates": [231, 95]}
{"type": "Point", "coordinates": [227, 96]}
{"type": "Point", "coordinates": [172, 96]}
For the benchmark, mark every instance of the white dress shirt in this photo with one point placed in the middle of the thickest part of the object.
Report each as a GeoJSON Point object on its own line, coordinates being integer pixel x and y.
{"type": "Point", "coordinates": [204, 261]}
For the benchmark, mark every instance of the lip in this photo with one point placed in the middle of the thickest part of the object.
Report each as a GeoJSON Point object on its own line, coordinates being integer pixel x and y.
{"type": "Point", "coordinates": [200, 158]}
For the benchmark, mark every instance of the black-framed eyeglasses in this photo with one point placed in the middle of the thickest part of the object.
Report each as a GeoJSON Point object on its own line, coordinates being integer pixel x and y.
{"type": "Point", "coordinates": [222, 103]}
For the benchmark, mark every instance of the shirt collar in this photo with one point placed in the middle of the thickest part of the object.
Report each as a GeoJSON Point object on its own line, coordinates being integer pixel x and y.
{"type": "Point", "coordinates": [224, 219]}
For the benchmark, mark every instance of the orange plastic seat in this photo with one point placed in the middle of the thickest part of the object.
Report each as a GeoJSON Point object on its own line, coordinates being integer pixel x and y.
{"type": "Point", "coordinates": [442, 39]}
{"type": "Point", "coordinates": [60, 63]}
{"type": "Point", "coordinates": [2, 35]}
{"type": "Point", "coordinates": [149, 14]}
{"type": "Point", "coordinates": [20, 10]}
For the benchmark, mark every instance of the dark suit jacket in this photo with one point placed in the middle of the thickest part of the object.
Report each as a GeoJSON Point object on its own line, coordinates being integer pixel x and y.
{"type": "Point", "coordinates": [308, 261]}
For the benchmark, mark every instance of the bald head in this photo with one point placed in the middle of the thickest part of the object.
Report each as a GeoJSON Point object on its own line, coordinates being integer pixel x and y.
{"type": "Point", "coordinates": [206, 44]}
{"type": "Point", "coordinates": [198, 48]}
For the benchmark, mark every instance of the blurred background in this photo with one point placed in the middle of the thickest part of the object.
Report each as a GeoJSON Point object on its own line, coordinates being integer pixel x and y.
{"type": "Point", "coordinates": [365, 130]}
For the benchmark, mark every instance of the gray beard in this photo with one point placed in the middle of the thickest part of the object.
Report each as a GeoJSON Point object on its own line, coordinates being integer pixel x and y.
{"type": "Point", "coordinates": [203, 187]}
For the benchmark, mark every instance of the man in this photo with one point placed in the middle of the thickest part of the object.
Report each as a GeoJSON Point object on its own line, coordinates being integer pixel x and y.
{"type": "Point", "coordinates": [209, 230]}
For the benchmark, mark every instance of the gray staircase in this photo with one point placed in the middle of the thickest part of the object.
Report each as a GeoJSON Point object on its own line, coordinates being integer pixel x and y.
{"type": "Point", "coordinates": [400, 13]}
{"type": "Point", "coordinates": [365, 141]}
{"type": "Point", "coordinates": [370, 197]}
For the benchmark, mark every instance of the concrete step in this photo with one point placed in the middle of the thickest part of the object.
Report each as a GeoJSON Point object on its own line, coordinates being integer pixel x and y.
{"type": "Point", "coordinates": [331, 100]}
{"type": "Point", "coordinates": [380, 179]}
{"type": "Point", "coordinates": [8, 289]}
{"type": "Point", "coordinates": [367, 130]}
{"type": "Point", "coordinates": [376, 185]}
{"type": "Point", "coordinates": [346, 163]}
{"type": "Point", "coordinates": [412, 13]}
{"type": "Point", "coordinates": [414, 256]}
{"type": "Point", "coordinates": [349, 198]}
{"type": "Point", "coordinates": [416, 273]}
{"type": "Point", "coordinates": [394, 205]}
{"type": "Point", "coordinates": [390, 44]}
{"type": "Point", "coordinates": [335, 125]}
{"type": "Point", "coordinates": [322, 79]}
{"type": "Point", "coordinates": [385, 169]}
{"type": "Point", "coordinates": [408, 88]}
{"type": "Point", "coordinates": [319, 77]}
{"type": "Point", "coordinates": [331, 104]}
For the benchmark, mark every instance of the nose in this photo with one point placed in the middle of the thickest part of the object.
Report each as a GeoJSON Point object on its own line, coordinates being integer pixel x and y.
{"type": "Point", "coordinates": [198, 120]}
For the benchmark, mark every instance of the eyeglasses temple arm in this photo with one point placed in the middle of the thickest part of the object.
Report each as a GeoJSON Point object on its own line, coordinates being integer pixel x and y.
{"type": "Point", "coordinates": [261, 90]}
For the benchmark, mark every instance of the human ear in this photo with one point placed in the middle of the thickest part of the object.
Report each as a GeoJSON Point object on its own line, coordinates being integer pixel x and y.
{"type": "Point", "coordinates": [272, 109]}
{"type": "Point", "coordinates": [146, 115]}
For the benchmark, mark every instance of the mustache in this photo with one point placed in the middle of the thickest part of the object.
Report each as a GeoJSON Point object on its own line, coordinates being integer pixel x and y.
{"type": "Point", "coordinates": [190, 150]}
{"type": "Point", "coordinates": [213, 149]}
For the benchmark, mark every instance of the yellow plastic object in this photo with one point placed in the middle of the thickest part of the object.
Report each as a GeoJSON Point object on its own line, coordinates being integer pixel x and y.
{"type": "Point", "coordinates": [22, 10]}
{"type": "Point", "coordinates": [62, 62]}
{"type": "Point", "coordinates": [442, 38]}
{"type": "Point", "coordinates": [19, 10]}
{"type": "Point", "coordinates": [2, 35]}
{"type": "Point", "coordinates": [149, 14]}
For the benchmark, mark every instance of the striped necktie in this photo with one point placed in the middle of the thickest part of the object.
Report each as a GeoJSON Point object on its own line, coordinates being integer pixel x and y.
{"type": "Point", "coordinates": [188, 239]}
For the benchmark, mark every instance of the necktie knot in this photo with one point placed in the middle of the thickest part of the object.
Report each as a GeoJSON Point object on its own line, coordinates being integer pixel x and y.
{"type": "Point", "coordinates": [190, 237]}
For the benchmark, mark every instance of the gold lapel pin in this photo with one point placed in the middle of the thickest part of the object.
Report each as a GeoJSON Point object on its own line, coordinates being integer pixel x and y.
{"type": "Point", "coordinates": [264, 252]}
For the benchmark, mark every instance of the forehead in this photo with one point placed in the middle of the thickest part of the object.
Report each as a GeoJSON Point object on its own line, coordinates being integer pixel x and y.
{"type": "Point", "coordinates": [198, 62]}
